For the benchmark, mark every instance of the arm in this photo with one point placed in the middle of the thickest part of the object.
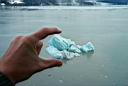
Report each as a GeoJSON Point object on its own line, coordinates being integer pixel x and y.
{"type": "Point", "coordinates": [22, 60]}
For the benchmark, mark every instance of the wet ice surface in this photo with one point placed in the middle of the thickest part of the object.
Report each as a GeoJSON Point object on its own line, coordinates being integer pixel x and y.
{"type": "Point", "coordinates": [65, 49]}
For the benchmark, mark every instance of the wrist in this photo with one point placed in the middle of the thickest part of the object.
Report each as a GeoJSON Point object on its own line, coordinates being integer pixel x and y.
{"type": "Point", "coordinates": [5, 81]}
{"type": "Point", "coordinates": [4, 70]}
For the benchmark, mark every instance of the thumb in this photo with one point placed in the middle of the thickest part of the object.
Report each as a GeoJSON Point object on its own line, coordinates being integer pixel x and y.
{"type": "Point", "coordinates": [45, 64]}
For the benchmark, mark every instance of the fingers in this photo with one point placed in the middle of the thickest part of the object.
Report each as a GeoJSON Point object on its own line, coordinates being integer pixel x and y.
{"type": "Point", "coordinates": [41, 34]}
{"type": "Point", "coordinates": [38, 47]}
{"type": "Point", "coordinates": [45, 64]}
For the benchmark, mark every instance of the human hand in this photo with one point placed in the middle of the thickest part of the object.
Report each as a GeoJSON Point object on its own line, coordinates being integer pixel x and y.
{"type": "Point", "coordinates": [21, 60]}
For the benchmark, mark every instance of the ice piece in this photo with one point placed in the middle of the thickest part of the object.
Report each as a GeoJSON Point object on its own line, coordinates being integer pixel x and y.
{"type": "Point", "coordinates": [61, 81]}
{"type": "Point", "coordinates": [75, 49]}
{"type": "Point", "coordinates": [66, 49]}
{"type": "Point", "coordinates": [78, 46]}
{"type": "Point", "coordinates": [69, 55]}
{"type": "Point", "coordinates": [61, 55]}
{"type": "Point", "coordinates": [60, 43]}
{"type": "Point", "coordinates": [88, 47]}
{"type": "Point", "coordinates": [54, 52]}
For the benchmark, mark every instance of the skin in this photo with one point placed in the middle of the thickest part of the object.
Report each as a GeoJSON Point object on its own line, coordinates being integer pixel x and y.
{"type": "Point", "coordinates": [22, 60]}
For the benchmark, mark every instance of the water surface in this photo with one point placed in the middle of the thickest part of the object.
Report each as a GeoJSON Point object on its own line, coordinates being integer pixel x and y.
{"type": "Point", "coordinates": [106, 28]}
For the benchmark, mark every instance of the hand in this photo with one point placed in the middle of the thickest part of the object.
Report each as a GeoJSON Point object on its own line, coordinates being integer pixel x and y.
{"type": "Point", "coordinates": [21, 60]}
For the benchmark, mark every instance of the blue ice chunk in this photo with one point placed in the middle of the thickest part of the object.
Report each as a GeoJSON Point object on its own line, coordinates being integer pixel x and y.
{"type": "Point", "coordinates": [54, 52]}
{"type": "Point", "coordinates": [62, 48]}
{"type": "Point", "coordinates": [69, 55]}
{"type": "Point", "coordinates": [88, 47]}
{"type": "Point", "coordinates": [61, 55]}
{"type": "Point", "coordinates": [78, 46]}
{"type": "Point", "coordinates": [60, 43]}
{"type": "Point", "coordinates": [75, 49]}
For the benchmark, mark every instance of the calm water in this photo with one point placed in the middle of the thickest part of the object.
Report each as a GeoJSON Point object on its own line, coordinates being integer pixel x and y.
{"type": "Point", "coordinates": [106, 28]}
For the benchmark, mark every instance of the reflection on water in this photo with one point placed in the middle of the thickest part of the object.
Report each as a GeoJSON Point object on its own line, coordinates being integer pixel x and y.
{"type": "Point", "coordinates": [106, 28]}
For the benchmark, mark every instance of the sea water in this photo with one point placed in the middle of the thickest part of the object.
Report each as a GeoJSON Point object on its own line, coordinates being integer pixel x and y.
{"type": "Point", "coordinates": [106, 27]}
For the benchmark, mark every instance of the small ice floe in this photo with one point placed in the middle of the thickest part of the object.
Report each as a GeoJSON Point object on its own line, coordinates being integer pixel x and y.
{"type": "Point", "coordinates": [61, 81]}
{"type": "Point", "coordinates": [75, 49]}
{"type": "Point", "coordinates": [62, 48]}
{"type": "Point", "coordinates": [88, 47]}
{"type": "Point", "coordinates": [69, 55]}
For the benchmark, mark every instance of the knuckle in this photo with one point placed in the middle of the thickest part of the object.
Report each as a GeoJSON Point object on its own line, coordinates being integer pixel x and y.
{"type": "Point", "coordinates": [25, 39]}
{"type": "Point", "coordinates": [17, 38]}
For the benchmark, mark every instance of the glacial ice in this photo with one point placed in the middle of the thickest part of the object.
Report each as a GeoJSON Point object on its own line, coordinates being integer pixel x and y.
{"type": "Point", "coordinates": [62, 48]}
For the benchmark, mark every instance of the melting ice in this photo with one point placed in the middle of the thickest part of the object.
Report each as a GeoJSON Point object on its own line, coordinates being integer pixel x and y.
{"type": "Point", "coordinates": [62, 48]}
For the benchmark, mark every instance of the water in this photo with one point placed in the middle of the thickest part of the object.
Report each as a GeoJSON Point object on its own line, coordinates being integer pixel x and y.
{"type": "Point", "coordinates": [106, 28]}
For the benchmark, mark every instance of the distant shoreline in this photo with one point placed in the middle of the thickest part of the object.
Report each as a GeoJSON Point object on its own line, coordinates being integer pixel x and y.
{"type": "Point", "coordinates": [65, 7]}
